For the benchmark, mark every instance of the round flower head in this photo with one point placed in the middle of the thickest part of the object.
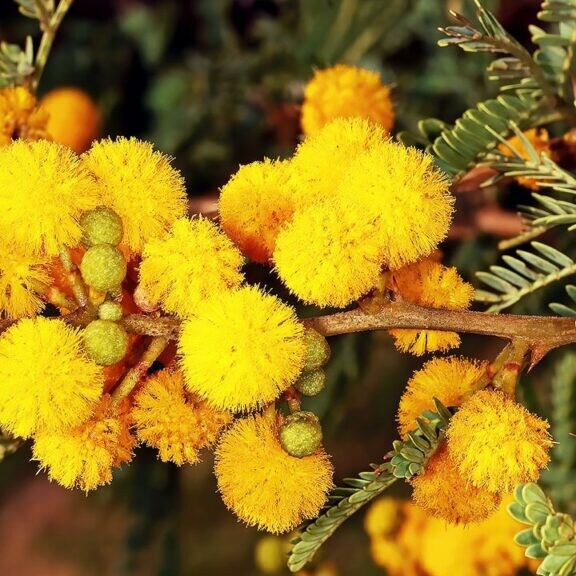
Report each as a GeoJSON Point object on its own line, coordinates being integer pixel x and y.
{"type": "Point", "coordinates": [405, 194]}
{"type": "Point", "coordinates": [429, 283]}
{"type": "Point", "coordinates": [444, 493]}
{"type": "Point", "coordinates": [450, 380]}
{"type": "Point", "coordinates": [21, 278]}
{"type": "Point", "coordinates": [47, 175]}
{"type": "Point", "coordinates": [254, 204]}
{"type": "Point", "coordinates": [178, 424]}
{"type": "Point", "coordinates": [73, 118]}
{"type": "Point", "coordinates": [321, 160]}
{"type": "Point", "coordinates": [192, 262]}
{"type": "Point", "coordinates": [345, 92]}
{"type": "Point", "coordinates": [21, 119]}
{"type": "Point", "coordinates": [140, 185]}
{"type": "Point", "coordinates": [242, 349]}
{"type": "Point", "coordinates": [496, 443]}
{"type": "Point", "coordinates": [83, 457]}
{"type": "Point", "coordinates": [46, 381]}
{"type": "Point", "coordinates": [325, 257]}
{"type": "Point", "coordinates": [262, 484]}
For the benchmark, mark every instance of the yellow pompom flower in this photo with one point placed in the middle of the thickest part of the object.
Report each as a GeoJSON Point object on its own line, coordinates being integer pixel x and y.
{"type": "Point", "coordinates": [83, 457]}
{"type": "Point", "coordinates": [450, 380]}
{"type": "Point", "coordinates": [346, 92]}
{"type": "Point", "coordinates": [193, 261]}
{"type": "Point", "coordinates": [496, 443]}
{"type": "Point", "coordinates": [20, 118]}
{"type": "Point", "coordinates": [444, 493]}
{"type": "Point", "coordinates": [401, 190]}
{"type": "Point", "coordinates": [47, 175]}
{"type": "Point", "coordinates": [242, 349]}
{"type": "Point", "coordinates": [177, 424]}
{"type": "Point", "coordinates": [140, 185]}
{"type": "Point", "coordinates": [326, 257]}
{"type": "Point", "coordinates": [255, 203]}
{"type": "Point", "coordinates": [321, 160]}
{"type": "Point", "coordinates": [73, 118]}
{"type": "Point", "coordinates": [262, 484]}
{"type": "Point", "coordinates": [429, 283]}
{"type": "Point", "coordinates": [22, 277]}
{"type": "Point", "coordinates": [46, 381]}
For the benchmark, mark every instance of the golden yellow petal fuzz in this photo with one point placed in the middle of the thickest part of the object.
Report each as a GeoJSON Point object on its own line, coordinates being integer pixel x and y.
{"type": "Point", "coordinates": [262, 484]}
{"type": "Point", "coordinates": [22, 277]}
{"type": "Point", "coordinates": [497, 443]}
{"type": "Point", "coordinates": [407, 197]}
{"type": "Point", "coordinates": [140, 185]}
{"type": "Point", "coordinates": [73, 118]}
{"type": "Point", "coordinates": [83, 457]}
{"type": "Point", "coordinates": [20, 117]}
{"type": "Point", "coordinates": [429, 283]}
{"type": "Point", "coordinates": [177, 424]}
{"type": "Point", "coordinates": [328, 255]}
{"type": "Point", "coordinates": [449, 379]}
{"type": "Point", "coordinates": [321, 160]}
{"type": "Point", "coordinates": [47, 383]}
{"type": "Point", "coordinates": [242, 349]}
{"type": "Point", "coordinates": [255, 203]}
{"type": "Point", "coordinates": [47, 176]}
{"type": "Point", "coordinates": [193, 261]}
{"type": "Point", "coordinates": [346, 92]}
{"type": "Point", "coordinates": [442, 492]}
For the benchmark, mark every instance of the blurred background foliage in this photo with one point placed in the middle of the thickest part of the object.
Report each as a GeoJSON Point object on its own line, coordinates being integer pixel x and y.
{"type": "Point", "coordinates": [217, 83]}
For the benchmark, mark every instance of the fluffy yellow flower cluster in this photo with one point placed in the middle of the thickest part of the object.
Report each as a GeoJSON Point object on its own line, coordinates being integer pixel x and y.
{"type": "Point", "coordinates": [408, 542]}
{"type": "Point", "coordinates": [348, 204]}
{"type": "Point", "coordinates": [492, 445]}
{"type": "Point", "coordinates": [20, 117]}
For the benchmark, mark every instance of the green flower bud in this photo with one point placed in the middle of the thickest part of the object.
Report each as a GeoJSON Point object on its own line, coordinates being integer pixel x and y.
{"type": "Point", "coordinates": [103, 267]}
{"type": "Point", "coordinates": [105, 342]}
{"type": "Point", "coordinates": [311, 383]}
{"type": "Point", "coordinates": [110, 311]}
{"type": "Point", "coordinates": [101, 226]}
{"type": "Point", "coordinates": [301, 434]}
{"type": "Point", "coordinates": [317, 350]}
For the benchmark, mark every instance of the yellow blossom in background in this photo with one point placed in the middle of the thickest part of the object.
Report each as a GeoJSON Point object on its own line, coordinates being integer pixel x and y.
{"type": "Point", "coordinates": [22, 277]}
{"type": "Point", "coordinates": [444, 493]}
{"type": "Point", "coordinates": [73, 118]}
{"type": "Point", "coordinates": [346, 92]}
{"type": "Point", "coordinates": [140, 185]}
{"type": "Point", "coordinates": [194, 260]}
{"type": "Point", "coordinates": [262, 484]}
{"type": "Point", "coordinates": [255, 203]}
{"type": "Point", "coordinates": [46, 381]}
{"type": "Point", "coordinates": [326, 257]}
{"type": "Point", "coordinates": [176, 423]}
{"type": "Point", "coordinates": [43, 193]}
{"type": "Point", "coordinates": [20, 118]}
{"type": "Point", "coordinates": [321, 161]}
{"type": "Point", "coordinates": [497, 443]}
{"type": "Point", "coordinates": [449, 379]}
{"type": "Point", "coordinates": [404, 196]}
{"type": "Point", "coordinates": [242, 349]}
{"type": "Point", "coordinates": [83, 457]}
{"type": "Point", "coordinates": [429, 283]}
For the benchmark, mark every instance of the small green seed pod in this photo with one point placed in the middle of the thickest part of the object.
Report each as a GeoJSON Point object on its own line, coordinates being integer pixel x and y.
{"type": "Point", "coordinates": [105, 342]}
{"type": "Point", "coordinates": [110, 311]}
{"type": "Point", "coordinates": [317, 350]}
{"type": "Point", "coordinates": [103, 267]}
{"type": "Point", "coordinates": [101, 226]}
{"type": "Point", "coordinates": [301, 434]}
{"type": "Point", "coordinates": [311, 383]}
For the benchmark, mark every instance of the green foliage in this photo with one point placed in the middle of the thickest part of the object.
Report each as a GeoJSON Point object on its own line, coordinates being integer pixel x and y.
{"type": "Point", "coordinates": [551, 534]}
{"type": "Point", "coordinates": [16, 64]}
{"type": "Point", "coordinates": [407, 459]}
